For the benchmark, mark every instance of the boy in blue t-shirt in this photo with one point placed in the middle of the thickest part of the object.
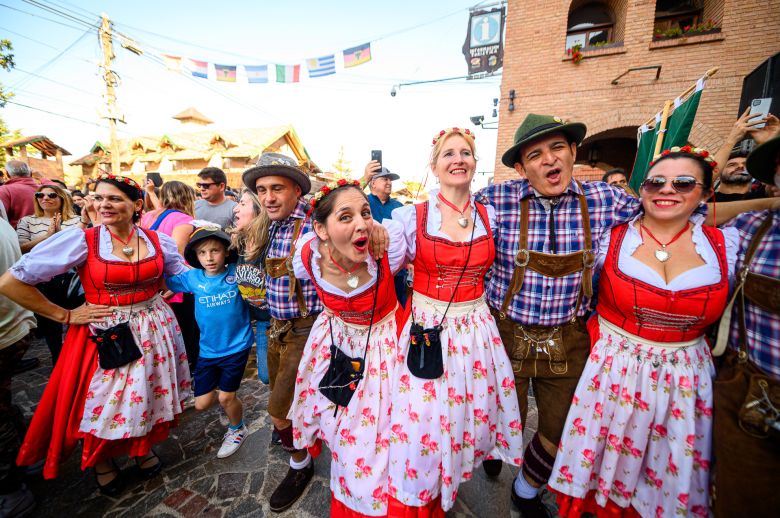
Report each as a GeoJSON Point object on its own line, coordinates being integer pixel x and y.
{"type": "Point", "coordinates": [225, 327]}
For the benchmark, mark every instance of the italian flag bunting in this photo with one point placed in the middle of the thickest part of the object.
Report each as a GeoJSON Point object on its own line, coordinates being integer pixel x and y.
{"type": "Point", "coordinates": [288, 73]}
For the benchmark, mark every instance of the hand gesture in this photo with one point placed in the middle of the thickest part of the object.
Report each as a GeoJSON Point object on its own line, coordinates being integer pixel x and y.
{"type": "Point", "coordinates": [86, 314]}
{"type": "Point", "coordinates": [378, 241]}
{"type": "Point", "coordinates": [770, 130]}
{"type": "Point", "coordinates": [744, 124]}
{"type": "Point", "coordinates": [54, 226]}
{"type": "Point", "coordinates": [372, 168]}
{"type": "Point", "coordinates": [149, 186]}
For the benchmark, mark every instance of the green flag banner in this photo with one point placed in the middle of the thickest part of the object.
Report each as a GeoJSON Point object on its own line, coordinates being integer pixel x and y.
{"type": "Point", "coordinates": [678, 128]}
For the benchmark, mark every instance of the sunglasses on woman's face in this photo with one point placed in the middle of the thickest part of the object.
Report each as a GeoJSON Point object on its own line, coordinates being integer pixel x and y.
{"type": "Point", "coordinates": [681, 184]}
{"type": "Point", "coordinates": [50, 195]}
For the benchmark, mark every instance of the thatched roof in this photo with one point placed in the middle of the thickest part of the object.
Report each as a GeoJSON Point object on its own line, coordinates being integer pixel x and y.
{"type": "Point", "coordinates": [193, 115]}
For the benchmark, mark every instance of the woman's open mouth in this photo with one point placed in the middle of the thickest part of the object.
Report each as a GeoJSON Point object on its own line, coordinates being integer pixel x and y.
{"type": "Point", "coordinates": [360, 244]}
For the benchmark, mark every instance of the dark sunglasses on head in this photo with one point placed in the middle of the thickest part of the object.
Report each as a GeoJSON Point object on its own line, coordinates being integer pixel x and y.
{"type": "Point", "coordinates": [204, 185]}
{"type": "Point", "coordinates": [681, 184]}
{"type": "Point", "coordinates": [50, 195]}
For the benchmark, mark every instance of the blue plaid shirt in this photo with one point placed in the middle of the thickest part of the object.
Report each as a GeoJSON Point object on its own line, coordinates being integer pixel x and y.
{"type": "Point", "coordinates": [548, 301]}
{"type": "Point", "coordinates": [762, 328]}
{"type": "Point", "coordinates": [280, 305]}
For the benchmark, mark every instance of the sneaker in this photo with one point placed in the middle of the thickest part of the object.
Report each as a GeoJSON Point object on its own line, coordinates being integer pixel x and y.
{"type": "Point", "coordinates": [291, 488]}
{"type": "Point", "coordinates": [530, 507]}
{"type": "Point", "coordinates": [17, 504]}
{"type": "Point", "coordinates": [231, 442]}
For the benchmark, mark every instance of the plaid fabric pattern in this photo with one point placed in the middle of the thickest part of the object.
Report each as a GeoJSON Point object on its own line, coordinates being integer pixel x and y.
{"type": "Point", "coordinates": [762, 327]}
{"type": "Point", "coordinates": [280, 305]}
{"type": "Point", "coordinates": [548, 301]}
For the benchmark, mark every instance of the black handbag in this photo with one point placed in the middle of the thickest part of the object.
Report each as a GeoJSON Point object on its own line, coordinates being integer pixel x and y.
{"type": "Point", "coordinates": [116, 346]}
{"type": "Point", "coordinates": [344, 372]}
{"type": "Point", "coordinates": [425, 358]}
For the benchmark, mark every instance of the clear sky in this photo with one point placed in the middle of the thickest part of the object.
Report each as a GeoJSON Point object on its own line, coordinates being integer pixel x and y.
{"type": "Point", "coordinates": [410, 41]}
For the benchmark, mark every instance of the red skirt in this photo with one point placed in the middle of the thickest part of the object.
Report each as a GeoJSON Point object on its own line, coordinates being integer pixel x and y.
{"type": "Point", "coordinates": [54, 430]}
{"type": "Point", "coordinates": [570, 507]}
{"type": "Point", "coordinates": [396, 509]}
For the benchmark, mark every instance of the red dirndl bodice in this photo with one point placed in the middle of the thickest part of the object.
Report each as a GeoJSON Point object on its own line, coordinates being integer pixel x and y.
{"type": "Point", "coordinates": [654, 313]}
{"type": "Point", "coordinates": [357, 309]}
{"type": "Point", "coordinates": [120, 283]}
{"type": "Point", "coordinates": [439, 262]}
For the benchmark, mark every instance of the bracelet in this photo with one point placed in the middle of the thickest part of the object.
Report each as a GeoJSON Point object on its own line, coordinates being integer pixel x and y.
{"type": "Point", "coordinates": [67, 318]}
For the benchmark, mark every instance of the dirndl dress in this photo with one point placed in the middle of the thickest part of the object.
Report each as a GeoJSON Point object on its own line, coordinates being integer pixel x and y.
{"type": "Point", "coordinates": [442, 429]}
{"type": "Point", "coordinates": [358, 435]}
{"type": "Point", "coordinates": [637, 439]}
{"type": "Point", "coordinates": [121, 411]}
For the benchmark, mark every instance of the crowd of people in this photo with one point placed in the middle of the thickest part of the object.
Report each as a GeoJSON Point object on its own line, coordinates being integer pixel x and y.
{"type": "Point", "coordinates": [409, 338]}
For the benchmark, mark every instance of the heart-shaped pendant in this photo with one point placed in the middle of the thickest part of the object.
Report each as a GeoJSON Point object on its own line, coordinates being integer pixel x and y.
{"type": "Point", "coordinates": [352, 281]}
{"type": "Point", "coordinates": [463, 222]}
{"type": "Point", "coordinates": [662, 255]}
{"type": "Point", "coordinates": [128, 251]}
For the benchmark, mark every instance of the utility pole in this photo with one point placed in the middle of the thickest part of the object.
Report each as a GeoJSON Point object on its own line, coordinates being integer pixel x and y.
{"type": "Point", "coordinates": [111, 80]}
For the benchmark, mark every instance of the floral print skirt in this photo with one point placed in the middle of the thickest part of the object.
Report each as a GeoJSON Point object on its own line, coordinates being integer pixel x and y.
{"type": "Point", "coordinates": [443, 429]}
{"type": "Point", "coordinates": [359, 435]}
{"type": "Point", "coordinates": [129, 400]}
{"type": "Point", "coordinates": [639, 430]}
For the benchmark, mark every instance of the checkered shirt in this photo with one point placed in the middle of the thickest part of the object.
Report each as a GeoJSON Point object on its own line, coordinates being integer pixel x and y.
{"type": "Point", "coordinates": [762, 328]}
{"type": "Point", "coordinates": [548, 301]}
{"type": "Point", "coordinates": [280, 305]}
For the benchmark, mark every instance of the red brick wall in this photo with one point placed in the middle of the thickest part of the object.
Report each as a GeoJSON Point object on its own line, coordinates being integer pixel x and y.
{"type": "Point", "coordinates": [544, 82]}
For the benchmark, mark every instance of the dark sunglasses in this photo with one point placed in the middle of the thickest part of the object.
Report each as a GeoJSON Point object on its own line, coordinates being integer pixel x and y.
{"type": "Point", "coordinates": [50, 195]}
{"type": "Point", "coordinates": [681, 184]}
{"type": "Point", "coordinates": [204, 185]}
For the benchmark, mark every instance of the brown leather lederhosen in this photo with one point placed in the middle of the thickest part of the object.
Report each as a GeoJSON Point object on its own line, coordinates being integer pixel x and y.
{"type": "Point", "coordinates": [279, 267]}
{"type": "Point", "coordinates": [746, 451]}
{"type": "Point", "coordinates": [544, 345]}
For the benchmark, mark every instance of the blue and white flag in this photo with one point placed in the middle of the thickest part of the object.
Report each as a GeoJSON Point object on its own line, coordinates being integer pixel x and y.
{"type": "Point", "coordinates": [256, 74]}
{"type": "Point", "coordinates": [319, 67]}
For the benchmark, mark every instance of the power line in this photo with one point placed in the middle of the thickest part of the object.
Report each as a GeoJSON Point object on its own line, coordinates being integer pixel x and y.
{"type": "Point", "coordinates": [42, 17]}
{"type": "Point", "coordinates": [64, 14]}
{"type": "Point", "coordinates": [54, 81]}
{"type": "Point", "coordinates": [28, 38]}
{"type": "Point", "coordinates": [51, 61]}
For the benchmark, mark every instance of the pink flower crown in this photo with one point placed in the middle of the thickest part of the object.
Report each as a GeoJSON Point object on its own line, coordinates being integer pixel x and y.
{"type": "Point", "coordinates": [689, 150]}
{"type": "Point", "coordinates": [329, 188]}
{"type": "Point", "coordinates": [121, 179]}
{"type": "Point", "coordinates": [449, 131]}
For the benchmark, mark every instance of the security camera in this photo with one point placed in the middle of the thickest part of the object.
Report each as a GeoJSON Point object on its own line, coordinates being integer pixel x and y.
{"type": "Point", "coordinates": [393, 92]}
{"type": "Point", "coordinates": [476, 120]}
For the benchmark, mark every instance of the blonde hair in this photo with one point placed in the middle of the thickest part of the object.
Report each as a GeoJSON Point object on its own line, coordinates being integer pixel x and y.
{"type": "Point", "coordinates": [251, 240]}
{"type": "Point", "coordinates": [66, 209]}
{"type": "Point", "coordinates": [179, 196]}
{"type": "Point", "coordinates": [444, 135]}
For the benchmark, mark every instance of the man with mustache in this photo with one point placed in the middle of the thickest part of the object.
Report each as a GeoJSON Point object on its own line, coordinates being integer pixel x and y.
{"type": "Point", "coordinates": [280, 185]}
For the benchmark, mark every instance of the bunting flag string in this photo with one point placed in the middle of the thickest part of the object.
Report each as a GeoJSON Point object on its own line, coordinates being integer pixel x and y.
{"type": "Point", "coordinates": [317, 67]}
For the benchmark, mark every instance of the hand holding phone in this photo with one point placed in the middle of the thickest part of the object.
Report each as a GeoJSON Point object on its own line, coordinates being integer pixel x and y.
{"type": "Point", "coordinates": [759, 109]}
{"type": "Point", "coordinates": [376, 154]}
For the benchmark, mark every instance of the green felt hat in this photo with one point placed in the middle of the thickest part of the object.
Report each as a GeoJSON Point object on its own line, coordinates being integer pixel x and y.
{"type": "Point", "coordinates": [761, 162]}
{"type": "Point", "coordinates": [536, 126]}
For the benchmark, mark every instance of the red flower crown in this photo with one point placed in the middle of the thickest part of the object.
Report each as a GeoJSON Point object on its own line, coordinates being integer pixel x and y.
{"type": "Point", "coordinates": [121, 179]}
{"type": "Point", "coordinates": [330, 187]}
{"type": "Point", "coordinates": [449, 131]}
{"type": "Point", "coordinates": [689, 150]}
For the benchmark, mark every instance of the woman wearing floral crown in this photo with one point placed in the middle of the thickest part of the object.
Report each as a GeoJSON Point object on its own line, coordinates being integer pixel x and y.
{"type": "Point", "coordinates": [113, 411]}
{"type": "Point", "coordinates": [356, 332]}
{"type": "Point", "coordinates": [637, 439]}
{"type": "Point", "coordinates": [455, 406]}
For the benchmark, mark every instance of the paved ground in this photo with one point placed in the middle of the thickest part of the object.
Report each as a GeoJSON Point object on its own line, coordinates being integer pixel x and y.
{"type": "Point", "coordinates": [196, 483]}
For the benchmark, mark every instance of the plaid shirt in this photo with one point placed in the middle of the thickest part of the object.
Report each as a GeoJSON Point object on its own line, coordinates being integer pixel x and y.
{"type": "Point", "coordinates": [280, 305]}
{"type": "Point", "coordinates": [548, 301]}
{"type": "Point", "coordinates": [762, 327]}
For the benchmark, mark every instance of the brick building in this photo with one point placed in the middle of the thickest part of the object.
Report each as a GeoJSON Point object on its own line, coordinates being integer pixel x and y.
{"type": "Point", "coordinates": [685, 38]}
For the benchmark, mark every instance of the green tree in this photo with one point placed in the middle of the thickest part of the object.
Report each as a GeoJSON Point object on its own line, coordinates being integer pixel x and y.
{"type": "Point", "coordinates": [341, 165]}
{"type": "Point", "coordinates": [7, 63]}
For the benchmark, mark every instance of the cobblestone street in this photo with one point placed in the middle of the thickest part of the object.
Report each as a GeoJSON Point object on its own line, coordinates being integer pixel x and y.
{"type": "Point", "coordinates": [195, 483]}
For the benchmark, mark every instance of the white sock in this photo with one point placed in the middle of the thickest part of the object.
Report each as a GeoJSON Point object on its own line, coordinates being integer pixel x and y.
{"type": "Point", "coordinates": [302, 464]}
{"type": "Point", "coordinates": [523, 488]}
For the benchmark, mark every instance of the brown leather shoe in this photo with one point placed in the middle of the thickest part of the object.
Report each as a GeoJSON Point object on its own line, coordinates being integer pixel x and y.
{"type": "Point", "coordinates": [291, 488]}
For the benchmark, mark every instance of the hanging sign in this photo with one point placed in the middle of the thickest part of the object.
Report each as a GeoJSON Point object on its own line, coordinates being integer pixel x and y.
{"type": "Point", "coordinates": [484, 46]}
